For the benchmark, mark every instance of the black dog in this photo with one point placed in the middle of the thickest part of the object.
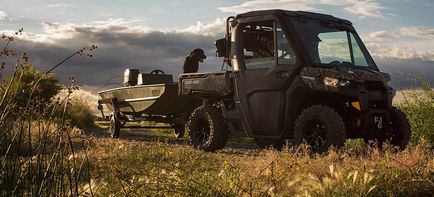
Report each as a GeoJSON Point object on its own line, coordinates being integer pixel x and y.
{"type": "Point", "coordinates": [191, 63]}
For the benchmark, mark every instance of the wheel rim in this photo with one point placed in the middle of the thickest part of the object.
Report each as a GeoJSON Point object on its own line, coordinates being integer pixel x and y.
{"type": "Point", "coordinates": [114, 127]}
{"type": "Point", "coordinates": [315, 133]}
{"type": "Point", "coordinates": [202, 131]}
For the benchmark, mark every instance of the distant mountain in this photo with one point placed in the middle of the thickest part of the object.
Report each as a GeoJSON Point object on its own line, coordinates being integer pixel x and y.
{"type": "Point", "coordinates": [407, 73]}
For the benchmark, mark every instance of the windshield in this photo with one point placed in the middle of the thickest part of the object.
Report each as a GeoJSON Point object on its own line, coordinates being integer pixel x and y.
{"type": "Point", "coordinates": [330, 44]}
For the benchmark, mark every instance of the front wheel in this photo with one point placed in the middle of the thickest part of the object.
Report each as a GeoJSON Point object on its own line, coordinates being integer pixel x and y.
{"type": "Point", "coordinates": [207, 128]}
{"type": "Point", "coordinates": [401, 129]}
{"type": "Point", "coordinates": [320, 127]}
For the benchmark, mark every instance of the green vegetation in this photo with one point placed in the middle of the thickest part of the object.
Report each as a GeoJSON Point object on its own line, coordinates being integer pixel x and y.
{"type": "Point", "coordinates": [22, 82]}
{"type": "Point", "coordinates": [419, 107]}
{"type": "Point", "coordinates": [37, 146]}
{"type": "Point", "coordinates": [80, 114]}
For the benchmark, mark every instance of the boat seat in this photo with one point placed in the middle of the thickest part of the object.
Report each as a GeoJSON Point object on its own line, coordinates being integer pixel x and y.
{"type": "Point", "coordinates": [147, 79]}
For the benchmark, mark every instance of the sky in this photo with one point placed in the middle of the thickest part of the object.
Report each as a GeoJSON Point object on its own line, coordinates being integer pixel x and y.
{"type": "Point", "coordinates": [158, 34]}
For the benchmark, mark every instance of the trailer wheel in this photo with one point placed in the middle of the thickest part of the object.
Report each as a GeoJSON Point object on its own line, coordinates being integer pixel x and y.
{"type": "Point", "coordinates": [179, 130]}
{"type": "Point", "coordinates": [401, 129]}
{"type": "Point", "coordinates": [207, 128]}
{"type": "Point", "coordinates": [270, 143]}
{"type": "Point", "coordinates": [115, 127]}
{"type": "Point", "coordinates": [320, 127]}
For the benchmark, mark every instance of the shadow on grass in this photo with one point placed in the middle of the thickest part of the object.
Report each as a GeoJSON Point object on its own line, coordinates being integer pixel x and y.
{"type": "Point", "coordinates": [235, 145]}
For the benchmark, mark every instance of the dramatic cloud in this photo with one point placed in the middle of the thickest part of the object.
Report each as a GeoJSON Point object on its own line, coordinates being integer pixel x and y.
{"type": "Point", "coordinates": [120, 47]}
{"type": "Point", "coordinates": [363, 8]}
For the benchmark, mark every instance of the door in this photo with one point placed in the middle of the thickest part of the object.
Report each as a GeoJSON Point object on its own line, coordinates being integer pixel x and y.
{"type": "Point", "coordinates": [267, 64]}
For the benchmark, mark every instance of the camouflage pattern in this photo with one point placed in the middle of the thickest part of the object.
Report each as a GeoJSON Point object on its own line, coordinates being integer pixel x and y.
{"type": "Point", "coordinates": [314, 76]}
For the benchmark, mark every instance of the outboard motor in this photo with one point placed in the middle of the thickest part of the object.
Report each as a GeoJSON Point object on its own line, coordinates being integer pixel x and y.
{"type": "Point", "coordinates": [130, 77]}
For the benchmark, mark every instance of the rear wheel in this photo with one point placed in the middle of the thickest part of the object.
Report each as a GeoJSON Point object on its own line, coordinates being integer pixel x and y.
{"type": "Point", "coordinates": [207, 128]}
{"type": "Point", "coordinates": [320, 127]}
{"type": "Point", "coordinates": [115, 127]}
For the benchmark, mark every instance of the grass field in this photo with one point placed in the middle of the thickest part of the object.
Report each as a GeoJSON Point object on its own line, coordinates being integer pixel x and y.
{"type": "Point", "coordinates": [144, 162]}
{"type": "Point", "coordinates": [52, 157]}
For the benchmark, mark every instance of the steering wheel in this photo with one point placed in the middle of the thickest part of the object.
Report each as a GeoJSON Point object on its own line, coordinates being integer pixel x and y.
{"type": "Point", "coordinates": [335, 63]}
{"type": "Point", "coordinates": [157, 72]}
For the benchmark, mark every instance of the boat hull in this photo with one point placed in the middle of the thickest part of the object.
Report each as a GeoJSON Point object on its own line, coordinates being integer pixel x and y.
{"type": "Point", "coordinates": [155, 99]}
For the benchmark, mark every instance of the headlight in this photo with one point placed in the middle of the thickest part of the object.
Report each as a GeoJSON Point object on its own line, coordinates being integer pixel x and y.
{"type": "Point", "coordinates": [387, 83]}
{"type": "Point", "coordinates": [330, 81]}
{"type": "Point", "coordinates": [333, 82]}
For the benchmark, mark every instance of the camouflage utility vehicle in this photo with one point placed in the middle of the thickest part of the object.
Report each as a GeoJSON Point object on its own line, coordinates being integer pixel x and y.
{"type": "Point", "coordinates": [297, 75]}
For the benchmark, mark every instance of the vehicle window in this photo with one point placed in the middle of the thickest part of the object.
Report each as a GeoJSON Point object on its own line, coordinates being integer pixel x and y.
{"type": "Point", "coordinates": [285, 52]}
{"type": "Point", "coordinates": [333, 43]}
{"type": "Point", "coordinates": [259, 47]}
{"type": "Point", "coordinates": [359, 57]}
{"type": "Point", "coordinates": [333, 46]}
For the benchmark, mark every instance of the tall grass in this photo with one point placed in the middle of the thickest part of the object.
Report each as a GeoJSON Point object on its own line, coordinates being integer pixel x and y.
{"type": "Point", "coordinates": [37, 152]}
{"type": "Point", "coordinates": [133, 168]}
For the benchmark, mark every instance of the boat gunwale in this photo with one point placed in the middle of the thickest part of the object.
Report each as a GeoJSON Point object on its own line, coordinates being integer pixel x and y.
{"type": "Point", "coordinates": [136, 86]}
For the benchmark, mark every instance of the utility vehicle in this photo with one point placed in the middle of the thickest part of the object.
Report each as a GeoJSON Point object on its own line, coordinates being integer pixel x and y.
{"type": "Point", "coordinates": [293, 74]}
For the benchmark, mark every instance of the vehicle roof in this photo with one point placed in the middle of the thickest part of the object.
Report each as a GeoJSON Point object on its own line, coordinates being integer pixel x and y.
{"type": "Point", "coordinates": [311, 15]}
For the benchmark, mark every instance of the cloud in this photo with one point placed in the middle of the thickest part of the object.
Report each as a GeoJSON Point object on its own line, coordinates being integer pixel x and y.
{"type": "Point", "coordinates": [270, 4]}
{"type": "Point", "coordinates": [363, 8]}
{"type": "Point", "coordinates": [59, 5]}
{"type": "Point", "coordinates": [56, 33]}
{"type": "Point", "coordinates": [218, 27]}
{"type": "Point", "coordinates": [399, 52]}
{"type": "Point", "coordinates": [121, 46]}
{"type": "Point", "coordinates": [4, 16]}
{"type": "Point", "coordinates": [419, 32]}
{"type": "Point", "coordinates": [379, 36]}
{"type": "Point", "coordinates": [402, 43]}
